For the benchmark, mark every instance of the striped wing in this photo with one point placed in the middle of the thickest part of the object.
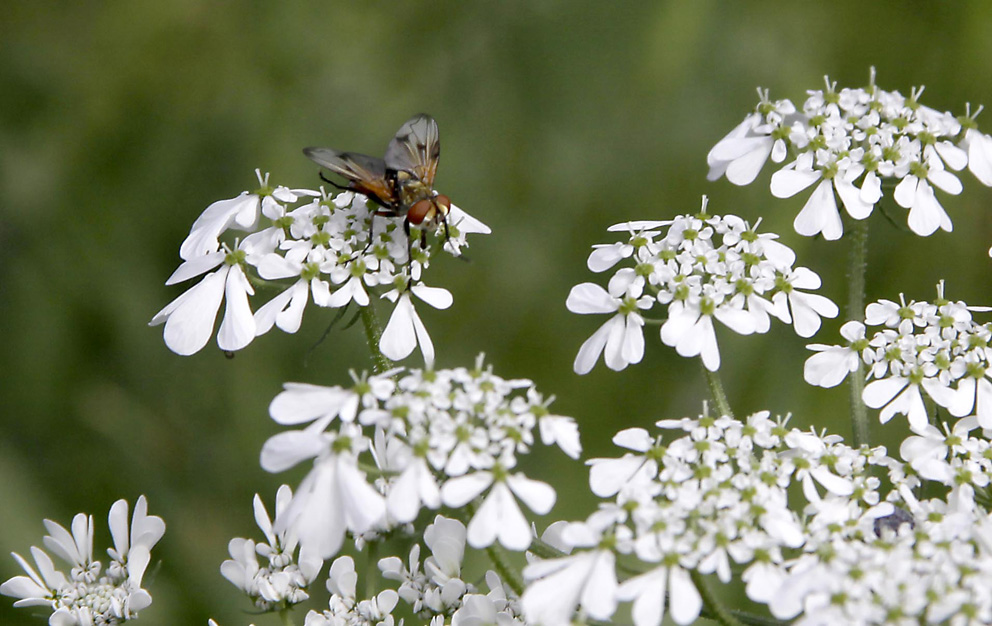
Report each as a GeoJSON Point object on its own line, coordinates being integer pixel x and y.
{"type": "Point", "coordinates": [416, 149]}
{"type": "Point", "coordinates": [365, 174]}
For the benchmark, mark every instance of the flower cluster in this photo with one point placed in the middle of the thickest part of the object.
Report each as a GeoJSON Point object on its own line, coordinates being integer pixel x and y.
{"type": "Point", "coordinates": [91, 595]}
{"type": "Point", "coordinates": [281, 582]}
{"type": "Point", "coordinates": [920, 347]}
{"type": "Point", "coordinates": [849, 143]}
{"type": "Point", "coordinates": [436, 437]}
{"type": "Point", "coordinates": [703, 267]}
{"type": "Point", "coordinates": [902, 561]}
{"type": "Point", "coordinates": [333, 250]}
{"type": "Point", "coordinates": [718, 497]}
{"type": "Point", "coordinates": [437, 594]}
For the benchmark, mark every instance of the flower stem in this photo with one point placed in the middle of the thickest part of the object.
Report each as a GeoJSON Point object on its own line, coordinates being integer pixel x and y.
{"type": "Point", "coordinates": [857, 266]}
{"type": "Point", "coordinates": [717, 611]}
{"type": "Point", "coordinates": [716, 390]}
{"type": "Point", "coordinates": [286, 617]}
{"type": "Point", "coordinates": [371, 561]}
{"type": "Point", "coordinates": [373, 333]}
{"type": "Point", "coordinates": [509, 574]}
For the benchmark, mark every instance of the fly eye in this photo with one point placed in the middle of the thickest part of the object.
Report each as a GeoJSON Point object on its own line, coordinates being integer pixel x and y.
{"type": "Point", "coordinates": [419, 212]}
{"type": "Point", "coordinates": [443, 200]}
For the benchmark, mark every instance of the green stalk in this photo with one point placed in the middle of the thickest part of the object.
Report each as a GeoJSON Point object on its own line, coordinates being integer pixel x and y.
{"type": "Point", "coordinates": [373, 333]}
{"type": "Point", "coordinates": [716, 610]}
{"type": "Point", "coordinates": [856, 268]}
{"type": "Point", "coordinates": [508, 573]}
{"type": "Point", "coordinates": [716, 390]}
{"type": "Point", "coordinates": [286, 617]}
{"type": "Point", "coordinates": [371, 562]}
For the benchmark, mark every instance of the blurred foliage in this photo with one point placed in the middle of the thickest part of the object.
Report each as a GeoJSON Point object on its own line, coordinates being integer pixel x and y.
{"type": "Point", "coordinates": [120, 121]}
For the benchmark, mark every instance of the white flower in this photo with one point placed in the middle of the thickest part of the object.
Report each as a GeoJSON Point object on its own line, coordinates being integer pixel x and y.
{"type": "Point", "coordinates": [189, 319]}
{"type": "Point", "coordinates": [979, 148]}
{"type": "Point", "coordinates": [925, 213]}
{"type": "Point", "coordinates": [241, 212]}
{"type": "Point", "coordinates": [499, 517]}
{"type": "Point", "coordinates": [90, 594]}
{"type": "Point", "coordinates": [621, 339]}
{"type": "Point", "coordinates": [405, 330]}
{"type": "Point", "coordinates": [689, 328]}
{"type": "Point", "coordinates": [557, 587]}
{"type": "Point", "coordinates": [413, 488]}
{"type": "Point", "coordinates": [334, 497]}
{"type": "Point", "coordinates": [927, 452]}
{"type": "Point", "coordinates": [806, 308]}
{"type": "Point", "coordinates": [831, 365]}
{"type": "Point", "coordinates": [650, 590]}
{"type": "Point", "coordinates": [281, 581]}
{"type": "Point", "coordinates": [898, 394]}
{"type": "Point", "coordinates": [561, 431]}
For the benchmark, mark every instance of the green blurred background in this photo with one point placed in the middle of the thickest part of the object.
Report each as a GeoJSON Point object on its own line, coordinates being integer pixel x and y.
{"type": "Point", "coordinates": [120, 121]}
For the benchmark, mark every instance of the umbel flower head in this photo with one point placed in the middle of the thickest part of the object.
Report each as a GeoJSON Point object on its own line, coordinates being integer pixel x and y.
{"type": "Point", "coordinates": [847, 144]}
{"type": "Point", "coordinates": [804, 518]}
{"type": "Point", "coordinates": [91, 594]}
{"type": "Point", "coordinates": [282, 580]}
{"type": "Point", "coordinates": [703, 268]}
{"type": "Point", "coordinates": [921, 348]}
{"type": "Point", "coordinates": [333, 250]}
{"type": "Point", "coordinates": [436, 436]}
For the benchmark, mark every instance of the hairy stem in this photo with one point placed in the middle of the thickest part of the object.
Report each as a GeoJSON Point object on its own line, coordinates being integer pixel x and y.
{"type": "Point", "coordinates": [716, 390]}
{"type": "Point", "coordinates": [856, 268]}
{"type": "Point", "coordinates": [716, 610]}
{"type": "Point", "coordinates": [373, 333]}
{"type": "Point", "coordinates": [509, 574]}
{"type": "Point", "coordinates": [371, 562]}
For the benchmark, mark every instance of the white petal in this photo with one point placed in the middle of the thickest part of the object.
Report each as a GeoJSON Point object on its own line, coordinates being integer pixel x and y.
{"type": "Point", "coordinates": [538, 496]}
{"type": "Point", "coordinates": [284, 450]}
{"type": "Point", "coordinates": [878, 393]}
{"type": "Point", "coordinates": [980, 156]}
{"type": "Point", "coordinates": [788, 182]}
{"type": "Point", "coordinates": [743, 170]}
{"type": "Point", "coordinates": [593, 346]}
{"type": "Point", "coordinates": [590, 298]}
{"type": "Point", "coordinates": [459, 491]}
{"type": "Point", "coordinates": [953, 156]}
{"type": "Point", "coordinates": [191, 321]}
{"type": "Point", "coordinates": [648, 593]}
{"type": "Point", "coordinates": [237, 329]}
{"type": "Point", "coordinates": [871, 189]}
{"type": "Point", "coordinates": [684, 602]}
{"type": "Point", "coordinates": [499, 517]}
{"type": "Point", "coordinates": [602, 259]}
{"type": "Point", "coordinates": [926, 215]}
{"type": "Point", "coordinates": [738, 320]}
{"type": "Point", "coordinates": [195, 266]}
{"type": "Point", "coordinates": [399, 338]}
{"type": "Point", "coordinates": [562, 431]}
{"type": "Point", "coordinates": [830, 367]}
{"type": "Point", "coordinates": [851, 197]}
{"type": "Point", "coordinates": [905, 191]}
{"type": "Point", "coordinates": [465, 222]}
{"type": "Point", "coordinates": [806, 311]}
{"type": "Point", "coordinates": [437, 297]}
{"type": "Point", "coordinates": [362, 504]}
{"type": "Point", "coordinates": [300, 403]}
{"type": "Point", "coordinates": [945, 181]}
{"type": "Point", "coordinates": [820, 215]}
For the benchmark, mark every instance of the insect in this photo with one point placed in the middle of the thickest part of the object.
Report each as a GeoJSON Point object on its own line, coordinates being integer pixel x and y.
{"type": "Point", "coordinates": [402, 182]}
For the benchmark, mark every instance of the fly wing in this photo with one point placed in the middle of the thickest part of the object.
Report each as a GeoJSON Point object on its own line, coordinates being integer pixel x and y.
{"type": "Point", "coordinates": [365, 174]}
{"type": "Point", "coordinates": [416, 149]}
